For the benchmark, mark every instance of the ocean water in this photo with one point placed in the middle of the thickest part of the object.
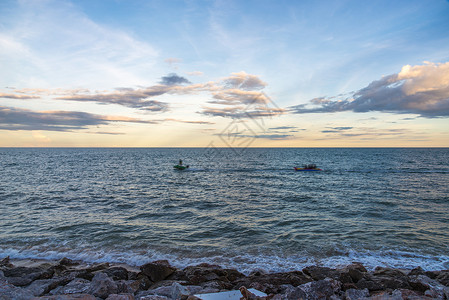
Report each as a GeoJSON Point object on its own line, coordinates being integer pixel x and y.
{"type": "Point", "coordinates": [246, 209]}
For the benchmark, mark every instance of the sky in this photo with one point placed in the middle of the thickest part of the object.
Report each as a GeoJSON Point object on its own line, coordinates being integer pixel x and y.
{"type": "Point", "coordinates": [135, 73]}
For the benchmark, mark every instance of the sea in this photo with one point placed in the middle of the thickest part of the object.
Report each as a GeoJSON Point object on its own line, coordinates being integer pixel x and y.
{"type": "Point", "coordinates": [239, 208]}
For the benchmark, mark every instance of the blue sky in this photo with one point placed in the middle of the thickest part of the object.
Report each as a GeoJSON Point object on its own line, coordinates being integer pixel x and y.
{"type": "Point", "coordinates": [224, 73]}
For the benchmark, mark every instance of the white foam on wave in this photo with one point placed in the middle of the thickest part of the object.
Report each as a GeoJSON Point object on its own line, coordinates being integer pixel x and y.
{"type": "Point", "coordinates": [245, 263]}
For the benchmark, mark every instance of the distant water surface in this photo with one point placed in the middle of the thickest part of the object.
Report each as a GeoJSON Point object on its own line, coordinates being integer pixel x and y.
{"type": "Point", "coordinates": [246, 210]}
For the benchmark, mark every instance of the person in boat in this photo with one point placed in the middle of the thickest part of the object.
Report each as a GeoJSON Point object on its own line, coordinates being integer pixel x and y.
{"type": "Point", "coordinates": [310, 166]}
{"type": "Point", "coordinates": [180, 162]}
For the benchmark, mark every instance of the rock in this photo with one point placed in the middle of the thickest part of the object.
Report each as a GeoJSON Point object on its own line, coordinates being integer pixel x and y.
{"type": "Point", "coordinates": [321, 289]}
{"type": "Point", "coordinates": [272, 283]}
{"type": "Point", "coordinates": [294, 294]}
{"type": "Point", "coordinates": [6, 263]}
{"type": "Point", "coordinates": [443, 277]}
{"type": "Point", "coordinates": [417, 284]}
{"type": "Point", "coordinates": [30, 273]}
{"type": "Point", "coordinates": [9, 291]}
{"type": "Point", "coordinates": [353, 294]}
{"type": "Point", "coordinates": [157, 271]}
{"type": "Point", "coordinates": [117, 273]}
{"type": "Point", "coordinates": [205, 272]}
{"type": "Point", "coordinates": [179, 291]}
{"type": "Point", "coordinates": [76, 286]}
{"type": "Point", "coordinates": [102, 286]}
{"type": "Point", "coordinates": [355, 275]}
{"type": "Point", "coordinates": [416, 271]}
{"type": "Point", "coordinates": [68, 297]}
{"type": "Point", "coordinates": [68, 262]}
{"type": "Point", "coordinates": [42, 286]}
{"type": "Point", "coordinates": [120, 297]}
{"type": "Point", "coordinates": [153, 297]}
{"type": "Point", "coordinates": [19, 281]}
{"type": "Point", "coordinates": [369, 284]}
{"type": "Point", "coordinates": [381, 271]}
{"type": "Point", "coordinates": [320, 273]}
{"type": "Point", "coordinates": [127, 286]}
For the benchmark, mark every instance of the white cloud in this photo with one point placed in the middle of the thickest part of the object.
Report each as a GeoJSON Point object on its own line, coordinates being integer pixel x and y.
{"type": "Point", "coordinates": [422, 90]}
{"type": "Point", "coordinates": [62, 45]}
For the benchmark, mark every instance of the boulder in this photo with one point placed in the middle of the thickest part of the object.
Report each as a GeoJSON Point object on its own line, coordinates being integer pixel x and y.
{"type": "Point", "coordinates": [273, 283]}
{"type": "Point", "coordinates": [205, 272]}
{"type": "Point", "coordinates": [381, 271]}
{"type": "Point", "coordinates": [353, 294]}
{"type": "Point", "coordinates": [68, 262]}
{"type": "Point", "coordinates": [19, 281]}
{"type": "Point", "coordinates": [153, 297]}
{"type": "Point", "coordinates": [9, 291]}
{"type": "Point", "coordinates": [41, 287]}
{"type": "Point", "coordinates": [443, 277]}
{"type": "Point", "coordinates": [320, 273]}
{"type": "Point", "coordinates": [417, 271]}
{"type": "Point", "coordinates": [67, 297]}
{"type": "Point", "coordinates": [321, 289]}
{"type": "Point", "coordinates": [368, 284]}
{"type": "Point", "coordinates": [157, 271]}
{"type": "Point", "coordinates": [6, 263]}
{"type": "Point", "coordinates": [117, 273]}
{"type": "Point", "coordinates": [102, 286]}
{"type": "Point", "coordinates": [120, 297]}
{"type": "Point", "coordinates": [76, 286]}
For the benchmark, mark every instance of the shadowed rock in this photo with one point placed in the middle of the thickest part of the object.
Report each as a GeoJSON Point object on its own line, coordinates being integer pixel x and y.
{"type": "Point", "coordinates": [102, 286]}
{"type": "Point", "coordinates": [158, 270]}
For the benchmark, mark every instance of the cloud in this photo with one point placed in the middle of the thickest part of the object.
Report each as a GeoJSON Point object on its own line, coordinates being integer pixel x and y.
{"type": "Point", "coordinates": [173, 79]}
{"type": "Point", "coordinates": [190, 122]}
{"type": "Point", "coordinates": [283, 128]}
{"type": "Point", "coordinates": [421, 90]}
{"type": "Point", "coordinates": [126, 97]}
{"type": "Point", "coordinates": [173, 61]}
{"type": "Point", "coordinates": [257, 136]}
{"type": "Point", "coordinates": [243, 81]}
{"type": "Point", "coordinates": [233, 92]}
{"type": "Point", "coordinates": [336, 129]}
{"type": "Point", "coordinates": [23, 119]}
{"type": "Point", "coordinates": [239, 112]}
{"type": "Point", "coordinates": [237, 96]}
{"type": "Point", "coordinates": [56, 42]}
{"type": "Point", "coordinates": [17, 96]}
{"type": "Point", "coordinates": [195, 73]}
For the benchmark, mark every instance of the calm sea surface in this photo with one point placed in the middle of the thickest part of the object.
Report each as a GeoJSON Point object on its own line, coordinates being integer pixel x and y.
{"type": "Point", "coordinates": [248, 210]}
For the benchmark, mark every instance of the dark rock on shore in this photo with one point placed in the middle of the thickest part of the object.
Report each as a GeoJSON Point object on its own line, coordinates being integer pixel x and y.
{"type": "Point", "coordinates": [159, 280]}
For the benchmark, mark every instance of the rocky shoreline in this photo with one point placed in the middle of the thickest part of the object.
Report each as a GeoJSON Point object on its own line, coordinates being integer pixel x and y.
{"type": "Point", "coordinates": [67, 279]}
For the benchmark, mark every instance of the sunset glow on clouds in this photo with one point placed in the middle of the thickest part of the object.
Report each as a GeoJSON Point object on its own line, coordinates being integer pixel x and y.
{"type": "Point", "coordinates": [150, 74]}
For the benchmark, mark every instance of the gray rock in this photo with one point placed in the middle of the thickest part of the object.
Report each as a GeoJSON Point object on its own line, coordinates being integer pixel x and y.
{"type": "Point", "coordinates": [153, 297]}
{"type": "Point", "coordinates": [102, 286]}
{"type": "Point", "coordinates": [117, 273]}
{"type": "Point", "coordinates": [68, 297]}
{"type": "Point", "coordinates": [120, 297]}
{"type": "Point", "coordinates": [9, 291]}
{"type": "Point", "coordinates": [76, 286]}
{"type": "Point", "coordinates": [42, 286]}
{"type": "Point", "coordinates": [321, 289]}
{"type": "Point", "coordinates": [294, 294]}
{"type": "Point", "coordinates": [353, 294]}
{"type": "Point", "coordinates": [19, 281]}
{"type": "Point", "coordinates": [178, 291]}
{"type": "Point", "coordinates": [158, 270]}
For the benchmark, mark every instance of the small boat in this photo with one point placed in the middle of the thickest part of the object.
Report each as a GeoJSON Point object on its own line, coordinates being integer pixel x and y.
{"type": "Point", "coordinates": [311, 167]}
{"type": "Point", "coordinates": [179, 167]}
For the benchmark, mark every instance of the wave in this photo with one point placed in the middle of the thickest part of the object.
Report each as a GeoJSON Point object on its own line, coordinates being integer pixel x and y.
{"type": "Point", "coordinates": [245, 263]}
